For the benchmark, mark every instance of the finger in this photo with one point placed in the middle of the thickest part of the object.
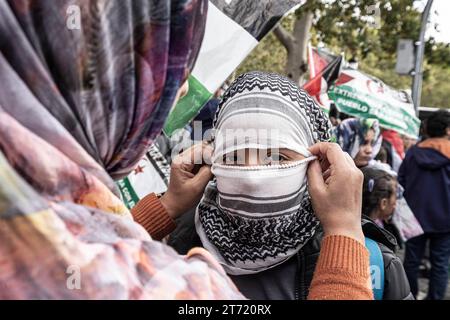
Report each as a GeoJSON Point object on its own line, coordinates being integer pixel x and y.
{"type": "Point", "coordinates": [316, 183]}
{"type": "Point", "coordinates": [207, 153]}
{"type": "Point", "coordinates": [350, 162]}
{"type": "Point", "coordinates": [182, 171]}
{"type": "Point", "coordinates": [203, 176]}
{"type": "Point", "coordinates": [324, 164]}
{"type": "Point", "coordinates": [186, 170]}
{"type": "Point", "coordinates": [349, 159]}
{"type": "Point", "coordinates": [200, 153]}
{"type": "Point", "coordinates": [319, 148]}
{"type": "Point", "coordinates": [327, 174]}
{"type": "Point", "coordinates": [194, 155]}
{"type": "Point", "coordinates": [330, 151]}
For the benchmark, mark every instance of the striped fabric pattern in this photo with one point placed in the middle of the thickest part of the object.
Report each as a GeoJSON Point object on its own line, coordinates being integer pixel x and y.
{"type": "Point", "coordinates": [251, 232]}
{"type": "Point", "coordinates": [318, 123]}
{"type": "Point", "coordinates": [252, 244]}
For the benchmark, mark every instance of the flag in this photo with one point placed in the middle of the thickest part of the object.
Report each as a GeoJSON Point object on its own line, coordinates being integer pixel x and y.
{"type": "Point", "coordinates": [364, 96]}
{"type": "Point", "coordinates": [359, 94]}
{"type": "Point", "coordinates": [324, 70]}
{"type": "Point", "coordinates": [233, 29]}
{"type": "Point", "coordinates": [151, 175]}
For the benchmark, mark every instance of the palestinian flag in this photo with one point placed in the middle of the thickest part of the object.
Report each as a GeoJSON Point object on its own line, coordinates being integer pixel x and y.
{"type": "Point", "coordinates": [324, 70]}
{"type": "Point", "coordinates": [233, 29]}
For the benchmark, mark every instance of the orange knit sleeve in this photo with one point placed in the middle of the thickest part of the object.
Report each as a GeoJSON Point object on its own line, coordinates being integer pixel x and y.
{"type": "Point", "coordinates": [150, 214]}
{"type": "Point", "coordinates": [342, 271]}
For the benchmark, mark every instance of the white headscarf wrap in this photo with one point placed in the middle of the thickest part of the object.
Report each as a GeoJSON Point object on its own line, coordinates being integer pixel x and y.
{"type": "Point", "coordinates": [254, 218]}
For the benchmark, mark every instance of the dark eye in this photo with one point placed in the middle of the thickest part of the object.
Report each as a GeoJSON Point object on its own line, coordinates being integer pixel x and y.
{"type": "Point", "coordinates": [274, 158]}
{"type": "Point", "coordinates": [232, 159]}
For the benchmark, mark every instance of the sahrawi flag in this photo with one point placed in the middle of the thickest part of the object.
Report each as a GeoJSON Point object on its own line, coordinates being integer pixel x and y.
{"type": "Point", "coordinates": [364, 96]}
{"type": "Point", "coordinates": [324, 70]}
{"type": "Point", "coordinates": [233, 29]}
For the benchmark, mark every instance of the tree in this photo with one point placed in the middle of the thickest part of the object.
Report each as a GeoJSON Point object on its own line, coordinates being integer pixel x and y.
{"type": "Point", "coordinates": [334, 22]}
{"type": "Point", "coordinates": [296, 46]}
{"type": "Point", "coordinates": [357, 27]}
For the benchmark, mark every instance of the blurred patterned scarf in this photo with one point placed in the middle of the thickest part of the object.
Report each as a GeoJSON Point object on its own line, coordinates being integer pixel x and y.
{"type": "Point", "coordinates": [350, 134]}
{"type": "Point", "coordinates": [253, 218]}
{"type": "Point", "coordinates": [79, 105]}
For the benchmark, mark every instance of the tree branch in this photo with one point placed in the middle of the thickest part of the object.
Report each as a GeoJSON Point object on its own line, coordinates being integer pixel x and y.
{"type": "Point", "coordinates": [286, 39]}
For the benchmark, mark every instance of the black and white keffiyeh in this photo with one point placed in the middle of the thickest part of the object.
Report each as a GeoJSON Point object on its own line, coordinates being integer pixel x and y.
{"type": "Point", "coordinates": [255, 218]}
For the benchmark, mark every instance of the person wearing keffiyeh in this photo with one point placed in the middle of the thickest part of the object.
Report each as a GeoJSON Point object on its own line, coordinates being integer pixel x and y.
{"type": "Point", "coordinates": [256, 216]}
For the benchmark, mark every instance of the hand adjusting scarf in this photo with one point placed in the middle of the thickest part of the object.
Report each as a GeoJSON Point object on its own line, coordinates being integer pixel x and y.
{"type": "Point", "coordinates": [254, 218]}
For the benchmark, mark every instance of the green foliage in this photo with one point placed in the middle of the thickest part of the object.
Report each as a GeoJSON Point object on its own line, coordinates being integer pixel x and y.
{"type": "Point", "coordinates": [437, 53]}
{"type": "Point", "coordinates": [270, 56]}
{"type": "Point", "coordinates": [436, 86]}
{"type": "Point", "coordinates": [346, 26]}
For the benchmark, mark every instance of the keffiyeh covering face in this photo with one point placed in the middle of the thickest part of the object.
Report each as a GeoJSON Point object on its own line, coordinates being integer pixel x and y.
{"type": "Point", "coordinates": [350, 134]}
{"type": "Point", "coordinates": [253, 218]}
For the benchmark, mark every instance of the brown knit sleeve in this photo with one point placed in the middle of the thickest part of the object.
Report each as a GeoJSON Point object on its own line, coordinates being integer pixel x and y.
{"type": "Point", "coordinates": [342, 271]}
{"type": "Point", "coordinates": [150, 214]}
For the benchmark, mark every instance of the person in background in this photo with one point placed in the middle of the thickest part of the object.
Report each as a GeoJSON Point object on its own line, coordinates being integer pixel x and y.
{"type": "Point", "coordinates": [378, 205]}
{"type": "Point", "coordinates": [408, 142]}
{"type": "Point", "coordinates": [380, 194]}
{"type": "Point", "coordinates": [360, 138]}
{"type": "Point", "coordinates": [334, 115]}
{"type": "Point", "coordinates": [206, 116]}
{"type": "Point", "coordinates": [382, 155]}
{"type": "Point", "coordinates": [344, 116]}
{"type": "Point", "coordinates": [425, 175]}
{"type": "Point", "coordinates": [394, 145]}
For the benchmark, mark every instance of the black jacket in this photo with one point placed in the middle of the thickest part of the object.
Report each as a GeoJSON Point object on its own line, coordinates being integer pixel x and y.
{"type": "Point", "coordinates": [291, 280]}
{"type": "Point", "coordinates": [425, 175]}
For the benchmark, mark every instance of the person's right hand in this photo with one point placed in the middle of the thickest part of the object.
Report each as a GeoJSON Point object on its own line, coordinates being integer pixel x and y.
{"type": "Point", "coordinates": [335, 186]}
{"type": "Point", "coordinates": [189, 175]}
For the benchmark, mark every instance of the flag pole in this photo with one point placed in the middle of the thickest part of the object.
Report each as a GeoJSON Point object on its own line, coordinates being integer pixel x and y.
{"type": "Point", "coordinates": [418, 72]}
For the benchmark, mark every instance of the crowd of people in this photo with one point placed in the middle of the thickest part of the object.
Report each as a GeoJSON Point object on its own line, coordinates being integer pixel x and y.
{"type": "Point", "coordinates": [278, 202]}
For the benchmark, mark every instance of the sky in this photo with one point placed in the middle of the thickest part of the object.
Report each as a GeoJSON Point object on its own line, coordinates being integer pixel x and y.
{"type": "Point", "coordinates": [440, 14]}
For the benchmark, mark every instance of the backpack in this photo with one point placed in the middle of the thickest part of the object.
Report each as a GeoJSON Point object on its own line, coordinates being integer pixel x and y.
{"type": "Point", "coordinates": [376, 268]}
